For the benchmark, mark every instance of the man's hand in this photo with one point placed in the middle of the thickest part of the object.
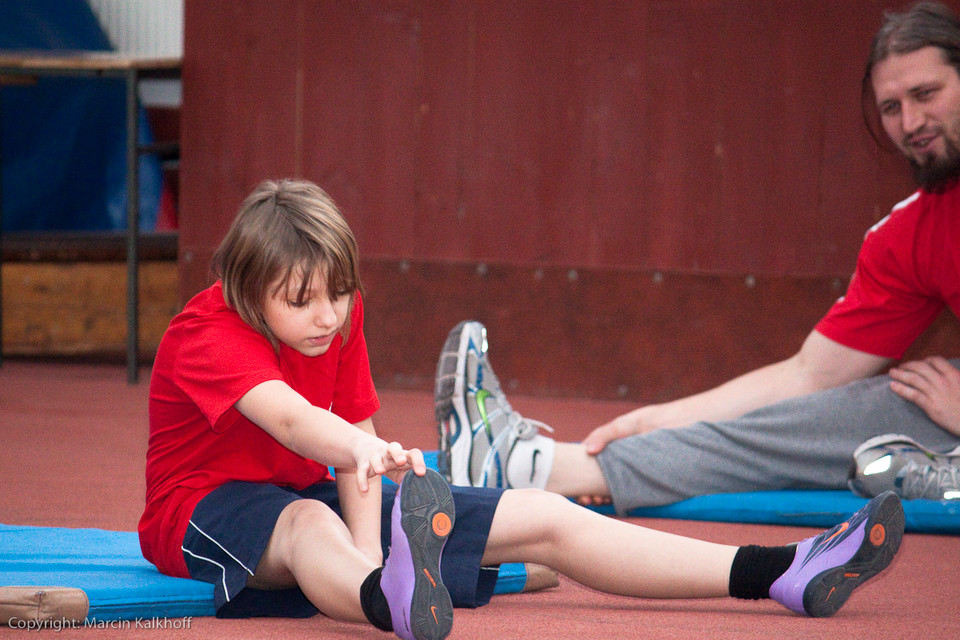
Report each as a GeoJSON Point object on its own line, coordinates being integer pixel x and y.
{"type": "Point", "coordinates": [933, 384]}
{"type": "Point", "coordinates": [620, 427]}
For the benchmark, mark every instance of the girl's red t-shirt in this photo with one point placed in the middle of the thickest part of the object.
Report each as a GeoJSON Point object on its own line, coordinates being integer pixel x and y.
{"type": "Point", "coordinates": [207, 360]}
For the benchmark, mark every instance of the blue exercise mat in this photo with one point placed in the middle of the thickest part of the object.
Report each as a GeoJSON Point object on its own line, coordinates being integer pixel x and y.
{"type": "Point", "coordinates": [805, 508]}
{"type": "Point", "coordinates": [107, 565]}
{"type": "Point", "coordinates": [120, 584]}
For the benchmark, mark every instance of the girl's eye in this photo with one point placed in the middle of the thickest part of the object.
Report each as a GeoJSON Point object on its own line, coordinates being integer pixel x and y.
{"type": "Point", "coordinates": [297, 304]}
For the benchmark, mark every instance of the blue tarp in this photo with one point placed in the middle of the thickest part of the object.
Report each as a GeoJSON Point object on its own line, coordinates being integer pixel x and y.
{"type": "Point", "coordinates": [63, 140]}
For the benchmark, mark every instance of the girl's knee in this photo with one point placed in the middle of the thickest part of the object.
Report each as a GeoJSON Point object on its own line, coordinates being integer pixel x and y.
{"type": "Point", "coordinates": [539, 510]}
{"type": "Point", "coordinates": [307, 518]}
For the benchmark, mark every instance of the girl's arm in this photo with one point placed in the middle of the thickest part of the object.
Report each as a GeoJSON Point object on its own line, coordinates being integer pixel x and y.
{"type": "Point", "coordinates": [361, 509]}
{"type": "Point", "coordinates": [320, 435]}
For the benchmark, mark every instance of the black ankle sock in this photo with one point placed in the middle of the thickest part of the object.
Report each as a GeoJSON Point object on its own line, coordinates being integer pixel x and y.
{"type": "Point", "coordinates": [374, 603]}
{"type": "Point", "coordinates": [756, 568]}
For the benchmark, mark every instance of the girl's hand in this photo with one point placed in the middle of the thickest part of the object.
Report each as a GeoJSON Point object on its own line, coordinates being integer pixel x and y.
{"type": "Point", "coordinates": [376, 457]}
{"type": "Point", "coordinates": [933, 384]}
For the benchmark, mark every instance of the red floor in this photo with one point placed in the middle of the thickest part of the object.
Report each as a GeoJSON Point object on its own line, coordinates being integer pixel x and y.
{"type": "Point", "coordinates": [72, 444]}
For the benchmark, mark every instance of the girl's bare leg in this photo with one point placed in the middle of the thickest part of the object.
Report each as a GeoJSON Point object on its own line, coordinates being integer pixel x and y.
{"type": "Point", "coordinates": [604, 553]}
{"type": "Point", "coordinates": [312, 548]}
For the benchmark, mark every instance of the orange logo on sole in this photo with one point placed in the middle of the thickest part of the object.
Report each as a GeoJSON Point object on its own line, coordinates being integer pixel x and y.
{"type": "Point", "coordinates": [430, 577]}
{"type": "Point", "coordinates": [877, 535]}
{"type": "Point", "coordinates": [441, 524]}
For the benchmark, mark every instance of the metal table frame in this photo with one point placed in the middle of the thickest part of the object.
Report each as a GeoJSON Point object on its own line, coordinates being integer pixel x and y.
{"type": "Point", "coordinates": [18, 67]}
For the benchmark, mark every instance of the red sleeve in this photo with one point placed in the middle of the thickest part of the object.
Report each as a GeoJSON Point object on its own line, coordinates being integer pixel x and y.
{"type": "Point", "coordinates": [887, 305]}
{"type": "Point", "coordinates": [221, 358]}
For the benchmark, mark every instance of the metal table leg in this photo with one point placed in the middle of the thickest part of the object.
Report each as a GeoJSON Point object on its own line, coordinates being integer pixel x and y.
{"type": "Point", "coordinates": [133, 229]}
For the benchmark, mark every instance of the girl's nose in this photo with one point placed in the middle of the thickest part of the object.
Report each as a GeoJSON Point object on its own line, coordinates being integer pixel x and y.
{"type": "Point", "coordinates": [324, 313]}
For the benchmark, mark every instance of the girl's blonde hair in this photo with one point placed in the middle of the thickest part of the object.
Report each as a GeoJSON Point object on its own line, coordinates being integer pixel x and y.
{"type": "Point", "coordinates": [285, 229]}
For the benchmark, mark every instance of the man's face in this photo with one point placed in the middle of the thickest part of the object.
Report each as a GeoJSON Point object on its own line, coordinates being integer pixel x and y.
{"type": "Point", "coordinates": [918, 97]}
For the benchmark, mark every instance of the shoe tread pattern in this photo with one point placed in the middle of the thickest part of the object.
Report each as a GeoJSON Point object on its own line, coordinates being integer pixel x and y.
{"type": "Point", "coordinates": [426, 500]}
{"type": "Point", "coordinates": [883, 533]}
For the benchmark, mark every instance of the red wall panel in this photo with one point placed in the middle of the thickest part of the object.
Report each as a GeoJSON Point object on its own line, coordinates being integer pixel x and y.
{"type": "Point", "coordinates": [695, 137]}
{"type": "Point", "coordinates": [699, 136]}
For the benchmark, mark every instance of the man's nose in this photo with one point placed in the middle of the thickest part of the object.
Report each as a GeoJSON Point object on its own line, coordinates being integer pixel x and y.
{"type": "Point", "coordinates": [913, 117]}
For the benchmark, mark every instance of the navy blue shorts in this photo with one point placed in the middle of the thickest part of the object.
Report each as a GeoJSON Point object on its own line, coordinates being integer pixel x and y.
{"type": "Point", "coordinates": [230, 528]}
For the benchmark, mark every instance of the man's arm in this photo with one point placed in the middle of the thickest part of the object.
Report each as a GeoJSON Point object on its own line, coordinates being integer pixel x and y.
{"type": "Point", "coordinates": [821, 363]}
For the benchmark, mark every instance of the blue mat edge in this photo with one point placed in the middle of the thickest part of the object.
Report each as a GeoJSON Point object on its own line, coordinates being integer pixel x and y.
{"type": "Point", "coordinates": [803, 508]}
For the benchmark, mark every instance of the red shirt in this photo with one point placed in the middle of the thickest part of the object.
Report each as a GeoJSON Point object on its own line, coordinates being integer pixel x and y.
{"type": "Point", "coordinates": [207, 360]}
{"type": "Point", "coordinates": [907, 271]}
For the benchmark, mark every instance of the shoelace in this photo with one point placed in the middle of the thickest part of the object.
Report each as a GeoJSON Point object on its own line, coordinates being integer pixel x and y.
{"type": "Point", "coordinates": [930, 481]}
{"type": "Point", "coordinates": [525, 428]}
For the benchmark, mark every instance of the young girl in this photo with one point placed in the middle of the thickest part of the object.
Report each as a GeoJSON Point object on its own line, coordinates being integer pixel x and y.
{"type": "Point", "coordinates": [263, 382]}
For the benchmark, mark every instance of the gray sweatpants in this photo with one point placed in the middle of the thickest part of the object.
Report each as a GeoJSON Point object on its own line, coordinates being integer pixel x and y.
{"type": "Point", "coordinates": [801, 443]}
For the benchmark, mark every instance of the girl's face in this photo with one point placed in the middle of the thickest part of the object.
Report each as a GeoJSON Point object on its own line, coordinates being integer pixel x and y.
{"type": "Point", "coordinates": [308, 327]}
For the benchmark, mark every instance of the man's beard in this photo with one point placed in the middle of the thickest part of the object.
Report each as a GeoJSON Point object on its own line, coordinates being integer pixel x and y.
{"type": "Point", "coordinates": [938, 174]}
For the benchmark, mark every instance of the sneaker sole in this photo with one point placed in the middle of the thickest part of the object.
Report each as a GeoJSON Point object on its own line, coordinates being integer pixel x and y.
{"type": "Point", "coordinates": [427, 518]}
{"type": "Point", "coordinates": [453, 458]}
{"type": "Point", "coordinates": [883, 533]}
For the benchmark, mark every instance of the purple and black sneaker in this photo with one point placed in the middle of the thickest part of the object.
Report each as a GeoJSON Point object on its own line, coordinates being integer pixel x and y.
{"type": "Point", "coordinates": [828, 567]}
{"type": "Point", "coordinates": [421, 520]}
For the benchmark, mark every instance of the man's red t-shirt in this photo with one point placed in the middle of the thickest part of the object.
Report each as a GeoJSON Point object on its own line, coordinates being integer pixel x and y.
{"type": "Point", "coordinates": [207, 360]}
{"type": "Point", "coordinates": [907, 271]}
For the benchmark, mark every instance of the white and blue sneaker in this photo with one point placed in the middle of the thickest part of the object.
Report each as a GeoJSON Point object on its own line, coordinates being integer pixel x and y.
{"type": "Point", "coordinates": [483, 441]}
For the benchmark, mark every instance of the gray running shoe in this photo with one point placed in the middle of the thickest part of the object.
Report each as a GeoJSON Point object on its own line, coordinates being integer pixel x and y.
{"type": "Point", "coordinates": [900, 464]}
{"type": "Point", "coordinates": [479, 430]}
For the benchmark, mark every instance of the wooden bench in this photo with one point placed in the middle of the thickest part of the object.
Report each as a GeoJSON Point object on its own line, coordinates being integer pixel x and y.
{"type": "Point", "coordinates": [64, 294]}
